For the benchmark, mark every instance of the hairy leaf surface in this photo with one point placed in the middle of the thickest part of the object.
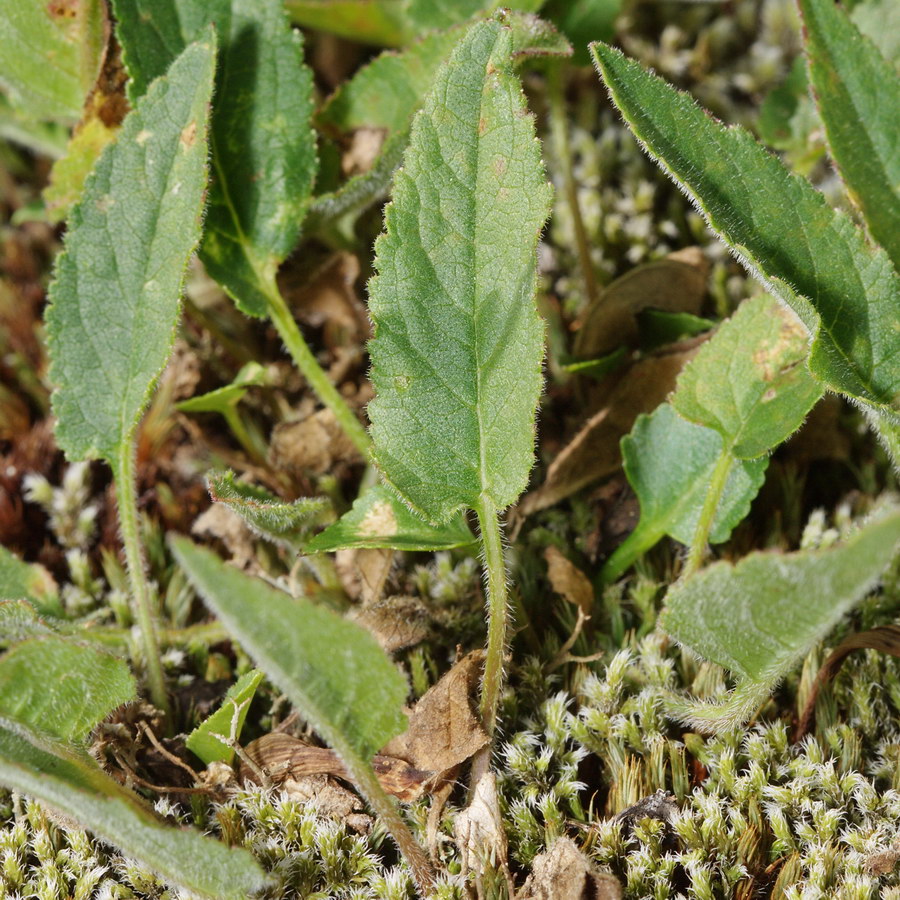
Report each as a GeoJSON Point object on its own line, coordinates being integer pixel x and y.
{"type": "Point", "coordinates": [332, 669]}
{"type": "Point", "coordinates": [457, 346]}
{"type": "Point", "coordinates": [750, 382]}
{"type": "Point", "coordinates": [846, 292]}
{"type": "Point", "coordinates": [61, 687]}
{"type": "Point", "coordinates": [263, 146]}
{"type": "Point", "coordinates": [68, 780]}
{"type": "Point", "coordinates": [858, 96]}
{"type": "Point", "coordinates": [762, 616]}
{"type": "Point", "coordinates": [115, 300]}
{"type": "Point", "coordinates": [380, 519]}
{"type": "Point", "coordinates": [20, 620]}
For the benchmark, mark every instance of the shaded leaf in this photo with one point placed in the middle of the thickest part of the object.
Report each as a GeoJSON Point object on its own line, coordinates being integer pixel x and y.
{"type": "Point", "coordinates": [761, 617]}
{"type": "Point", "coordinates": [68, 780]}
{"type": "Point", "coordinates": [333, 670]}
{"type": "Point", "coordinates": [857, 93]}
{"type": "Point", "coordinates": [658, 328]}
{"type": "Point", "coordinates": [583, 21]}
{"type": "Point", "coordinates": [749, 382]}
{"type": "Point", "coordinates": [227, 720]}
{"type": "Point", "coordinates": [457, 346]}
{"type": "Point", "coordinates": [380, 519]}
{"type": "Point", "coordinates": [61, 687]}
{"type": "Point", "coordinates": [115, 300]}
{"type": "Point", "coordinates": [780, 226]}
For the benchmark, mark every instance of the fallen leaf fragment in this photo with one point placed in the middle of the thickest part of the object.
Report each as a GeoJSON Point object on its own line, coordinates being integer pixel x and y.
{"type": "Point", "coordinates": [312, 445]}
{"type": "Point", "coordinates": [363, 572]}
{"type": "Point", "coordinates": [396, 622]}
{"type": "Point", "coordinates": [563, 872]}
{"type": "Point", "coordinates": [569, 581]}
{"type": "Point", "coordinates": [479, 831]}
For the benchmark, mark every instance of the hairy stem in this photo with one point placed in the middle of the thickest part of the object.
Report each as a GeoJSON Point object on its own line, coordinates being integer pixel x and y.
{"type": "Point", "coordinates": [708, 513]}
{"type": "Point", "coordinates": [559, 130]}
{"type": "Point", "coordinates": [495, 577]}
{"type": "Point", "coordinates": [314, 374]}
{"type": "Point", "coordinates": [888, 433]}
{"type": "Point", "coordinates": [126, 496]}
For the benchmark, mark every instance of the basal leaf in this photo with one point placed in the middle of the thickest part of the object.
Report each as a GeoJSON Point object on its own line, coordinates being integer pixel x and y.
{"type": "Point", "coordinates": [670, 463]}
{"type": "Point", "coordinates": [858, 95]}
{"type": "Point", "coordinates": [115, 300]}
{"type": "Point", "coordinates": [263, 146]}
{"type": "Point", "coordinates": [330, 668]}
{"type": "Point", "coordinates": [228, 719]}
{"type": "Point", "coordinates": [20, 580]}
{"type": "Point", "coordinates": [61, 687]}
{"type": "Point", "coordinates": [813, 257]}
{"type": "Point", "coordinates": [457, 346]}
{"type": "Point", "coordinates": [285, 522]}
{"type": "Point", "coordinates": [380, 519]}
{"type": "Point", "coordinates": [68, 780]}
{"type": "Point", "coordinates": [762, 616]}
{"type": "Point", "coordinates": [749, 382]}
{"type": "Point", "coordinates": [41, 65]}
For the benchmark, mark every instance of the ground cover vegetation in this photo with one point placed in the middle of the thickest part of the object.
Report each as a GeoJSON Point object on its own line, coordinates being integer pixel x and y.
{"type": "Point", "coordinates": [448, 450]}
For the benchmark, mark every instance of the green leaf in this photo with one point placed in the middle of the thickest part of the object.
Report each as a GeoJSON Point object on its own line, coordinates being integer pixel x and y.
{"type": "Point", "coordinates": [19, 620]}
{"type": "Point", "coordinates": [115, 300]}
{"type": "Point", "coordinates": [49, 61]}
{"type": "Point", "coordinates": [45, 138]}
{"type": "Point", "coordinates": [659, 327]}
{"type": "Point", "coordinates": [583, 21]}
{"type": "Point", "coordinates": [762, 616]}
{"type": "Point", "coordinates": [380, 22]}
{"type": "Point", "coordinates": [857, 93]}
{"type": "Point", "coordinates": [61, 687]}
{"type": "Point", "coordinates": [749, 382]}
{"type": "Point", "coordinates": [68, 780]}
{"type": "Point", "coordinates": [457, 346]}
{"type": "Point", "coordinates": [879, 20]}
{"type": "Point", "coordinates": [380, 519]}
{"type": "Point", "coordinates": [284, 522]}
{"type": "Point", "coordinates": [330, 668]}
{"type": "Point", "coordinates": [263, 146]}
{"type": "Point", "coordinates": [228, 720]}
{"type": "Point", "coordinates": [23, 581]}
{"type": "Point", "coordinates": [250, 375]}
{"type": "Point", "coordinates": [428, 14]}
{"type": "Point", "coordinates": [812, 257]}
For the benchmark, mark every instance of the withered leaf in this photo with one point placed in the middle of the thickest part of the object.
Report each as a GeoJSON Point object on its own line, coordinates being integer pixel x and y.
{"type": "Point", "coordinates": [563, 872]}
{"type": "Point", "coordinates": [312, 445]}
{"type": "Point", "coordinates": [396, 622]}
{"type": "Point", "coordinates": [569, 581]}
{"type": "Point", "coordinates": [478, 829]}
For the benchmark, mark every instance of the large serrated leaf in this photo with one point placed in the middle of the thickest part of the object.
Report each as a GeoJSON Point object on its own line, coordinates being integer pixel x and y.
{"type": "Point", "coordinates": [68, 780]}
{"type": "Point", "coordinates": [115, 300]}
{"type": "Point", "coordinates": [457, 346]}
{"type": "Point", "coordinates": [857, 93]}
{"type": "Point", "coordinates": [760, 617]}
{"type": "Point", "coordinates": [263, 146]}
{"type": "Point", "coordinates": [814, 258]}
{"type": "Point", "coordinates": [750, 382]}
{"type": "Point", "coordinates": [332, 669]}
{"type": "Point", "coordinates": [61, 687]}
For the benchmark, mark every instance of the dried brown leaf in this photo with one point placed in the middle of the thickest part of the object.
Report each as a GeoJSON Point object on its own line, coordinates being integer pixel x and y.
{"type": "Point", "coordinates": [569, 581]}
{"type": "Point", "coordinates": [314, 445]}
{"type": "Point", "coordinates": [479, 831]}
{"type": "Point", "coordinates": [563, 872]}
{"type": "Point", "coordinates": [396, 622]}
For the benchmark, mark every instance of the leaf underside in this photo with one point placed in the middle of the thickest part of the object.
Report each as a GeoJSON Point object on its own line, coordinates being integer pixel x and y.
{"type": "Point", "coordinates": [812, 257]}
{"type": "Point", "coordinates": [457, 346]}
{"type": "Point", "coordinates": [760, 617]}
{"type": "Point", "coordinates": [115, 299]}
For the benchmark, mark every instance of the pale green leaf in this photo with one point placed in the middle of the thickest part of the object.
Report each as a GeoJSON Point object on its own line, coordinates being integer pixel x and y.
{"type": "Point", "coordinates": [879, 20]}
{"type": "Point", "coordinates": [228, 396]}
{"type": "Point", "coordinates": [381, 22]}
{"type": "Point", "coordinates": [380, 519]}
{"type": "Point", "coordinates": [857, 93]}
{"type": "Point", "coordinates": [762, 616]}
{"type": "Point", "coordinates": [20, 580]}
{"type": "Point", "coordinates": [45, 138]}
{"type": "Point", "coordinates": [429, 14]}
{"type": "Point", "coordinates": [284, 522]}
{"type": "Point", "coordinates": [669, 463]}
{"type": "Point", "coordinates": [20, 620]}
{"type": "Point", "coordinates": [813, 257]}
{"type": "Point", "coordinates": [227, 720]}
{"type": "Point", "coordinates": [263, 146]}
{"type": "Point", "coordinates": [330, 668]}
{"type": "Point", "coordinates": [750, 382]}
{"type": "Point", "coordinates": [115, 300]}
{"type": "Point", "coordinates": [61, 687]}
{"type": "Point", "coordinates": [68, 780]}
{"type": "Point", "coordinates": [41, 65]}
{"type": "Point", "coordinates": [457, 346]}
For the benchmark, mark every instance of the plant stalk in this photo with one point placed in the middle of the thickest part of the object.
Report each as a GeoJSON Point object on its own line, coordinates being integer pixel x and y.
{"type": "Point", "coordinates": [495, 578]}
{"type": "Point", "coordinates": [559, 130]}
{"type": "Point", "coordinates": [708, 514]}
{"type": "Point", "coordinates": [126, 496]}
{"type": "Point", "coordinates": [626, 554]}
{"type": "Point", "coordinates": [315, 375]}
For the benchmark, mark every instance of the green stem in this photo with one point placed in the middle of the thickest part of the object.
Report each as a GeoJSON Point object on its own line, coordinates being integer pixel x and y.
{"type": "Point", "coordinates": [314, 374]}
{"type": "Point", "coordinates": [559, 130]}
{"type": "Point", "coordinates": [386, 809]}
{"type": "Point", "coordinates": [624, 556]}
{"type": "Point", "coordinates": [708, 514]}
{"type": "Point", "coordinates": [888, 432]}
{"type": "Point", "coordinates": [126, 496]}
{"type": "Point", "coordinates": [244, 438]}
{"type": "Point", "coordinates": [114, 637]}
{"type": "Point", "coordinates": [495, 576]}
